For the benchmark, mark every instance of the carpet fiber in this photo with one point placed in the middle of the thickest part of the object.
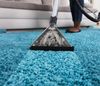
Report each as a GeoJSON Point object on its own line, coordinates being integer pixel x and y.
{"type": "Point", "coordinates": [20, 66]}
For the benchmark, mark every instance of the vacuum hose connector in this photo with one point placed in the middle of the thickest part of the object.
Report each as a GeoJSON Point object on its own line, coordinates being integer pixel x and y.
{"type": "Point", "coordinates": [53, 21]}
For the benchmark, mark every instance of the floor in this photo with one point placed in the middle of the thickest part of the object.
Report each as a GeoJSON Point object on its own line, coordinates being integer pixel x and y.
{"type": "Point", "coordinates": [20, 66]}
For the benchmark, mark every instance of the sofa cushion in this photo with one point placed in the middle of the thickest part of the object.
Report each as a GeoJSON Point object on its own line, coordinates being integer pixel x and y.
{"type": "Point", "coordinates": [63, 3]}
{"type": "Point", "coordinates": [32, 1]}
{"type": "Point", "coordinates": [25, 1]}
{"type": "Point", "coordinates": [30, 6]}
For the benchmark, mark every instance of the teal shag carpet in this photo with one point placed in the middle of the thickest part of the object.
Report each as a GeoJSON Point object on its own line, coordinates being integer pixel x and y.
{"type": "Point", "coordinates": [2, 31]}
{"type": "Point", "coordinates": [20, 66]}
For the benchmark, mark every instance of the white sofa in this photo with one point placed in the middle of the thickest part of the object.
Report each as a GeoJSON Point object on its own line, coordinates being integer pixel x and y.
{"type": "Point", "coordinates": [24, 14]}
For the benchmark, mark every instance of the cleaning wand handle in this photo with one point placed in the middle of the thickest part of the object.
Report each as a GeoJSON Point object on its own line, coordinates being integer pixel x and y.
{"type": "Point", "coordinates": [55, 7]}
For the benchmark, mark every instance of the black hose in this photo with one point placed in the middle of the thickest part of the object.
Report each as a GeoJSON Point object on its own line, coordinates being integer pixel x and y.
{"type": "Point", "coordinates": [87, 15]}
{"type": "Point", "coordinates": [99, 16]}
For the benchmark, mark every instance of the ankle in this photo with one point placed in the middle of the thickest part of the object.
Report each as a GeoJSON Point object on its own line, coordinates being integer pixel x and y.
{"type": "Point", "coordinates": [77, 25]}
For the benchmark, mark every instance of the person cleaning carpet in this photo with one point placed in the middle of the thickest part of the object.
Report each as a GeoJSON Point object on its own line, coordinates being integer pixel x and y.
{"type": "Point", "coordinates": [76, 15]}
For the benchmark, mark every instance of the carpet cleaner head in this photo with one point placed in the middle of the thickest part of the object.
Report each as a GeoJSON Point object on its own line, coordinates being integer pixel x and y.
{"type": "Point", "coordinates": [51, 38]}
